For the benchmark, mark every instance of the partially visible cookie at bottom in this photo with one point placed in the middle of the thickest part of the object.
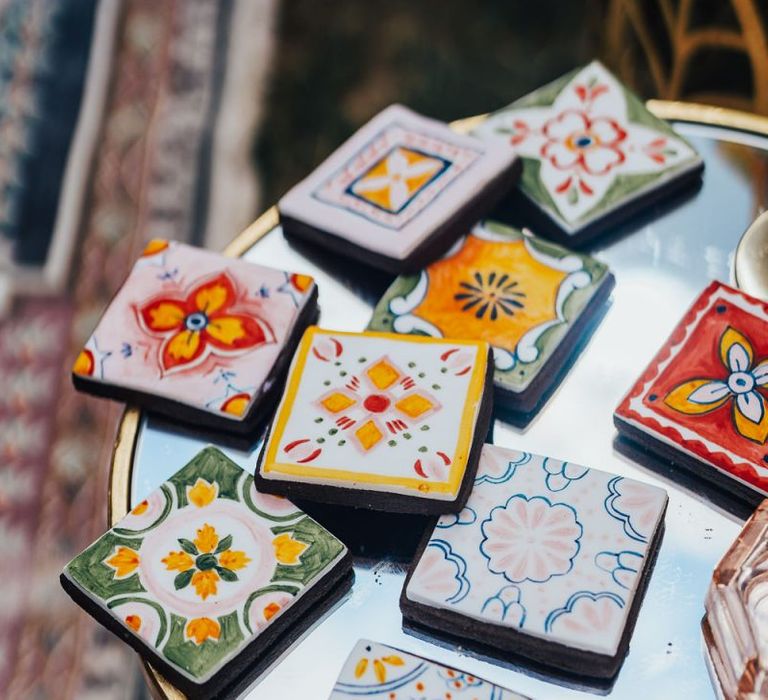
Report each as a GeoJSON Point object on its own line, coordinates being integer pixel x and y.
{"type": "Point", "coordinates": [379, 671]}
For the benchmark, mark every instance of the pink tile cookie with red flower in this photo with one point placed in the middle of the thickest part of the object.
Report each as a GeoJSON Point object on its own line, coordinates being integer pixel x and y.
{"type": "Point", "coordinates": [548, 559]}
{"type": "Point", "coordinates": [702, 403]}
{"type": "Point", "coordinates": [380, 420]}
{"type": "Point", "coordinates": [198, 336]}
{"type": "Point", "coordinates": [592, 153]}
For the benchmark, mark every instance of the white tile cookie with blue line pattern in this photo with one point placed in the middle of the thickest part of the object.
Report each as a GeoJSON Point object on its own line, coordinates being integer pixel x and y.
{"type": "Point", "coordinates": [548, 559]}
{"type": "Point", "coordinates": [399, 192]}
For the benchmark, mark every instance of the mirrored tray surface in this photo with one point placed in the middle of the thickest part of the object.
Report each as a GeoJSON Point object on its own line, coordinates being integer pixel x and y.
{"type": "Point", "coordinates": [661, 263]}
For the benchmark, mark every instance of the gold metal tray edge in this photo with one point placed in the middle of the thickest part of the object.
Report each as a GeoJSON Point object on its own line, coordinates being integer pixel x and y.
{"type": "Point", "coordinates": [121, 468]}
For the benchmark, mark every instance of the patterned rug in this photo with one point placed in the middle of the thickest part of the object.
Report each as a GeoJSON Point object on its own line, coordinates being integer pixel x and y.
{"type": "Point", "coordinates": [159, 170]}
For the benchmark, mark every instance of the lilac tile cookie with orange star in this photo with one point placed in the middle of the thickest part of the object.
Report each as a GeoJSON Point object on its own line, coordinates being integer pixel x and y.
{"type": "Point", "coordinates": [592, 153]}
{"type": "Point", "coordinates": [380, 421]}
{"type": "Point", "coordinates": [198, 336]}
{"type": "Point", "coordinates": [548, 559]}
{"type": "Point", "coordinates": [702, 402]}
{"type": "Point", "coordinates": [399, 192]}
{"type": "Point", "coordinates": [206, 575]}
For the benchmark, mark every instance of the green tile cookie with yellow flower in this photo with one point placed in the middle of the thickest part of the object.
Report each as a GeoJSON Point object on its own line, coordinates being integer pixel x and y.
{"type": "Point", "coordinates": [206, 574]}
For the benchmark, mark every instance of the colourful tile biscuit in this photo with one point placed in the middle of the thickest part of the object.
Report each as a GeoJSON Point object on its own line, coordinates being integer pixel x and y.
{"type": "Point", "coordinates": [530, 299]}
{"type": "Point", "coordinates": [206, 574]}
{"type": "Point", "coordinates": [378, 671]}
{"type": "Point", "coordinates": [548, 559]}
{"type": "Point", "coordinates": [399, 191]}
{"type": "Point", "coordinates": [592, 153]}
{"type": "Point", "coordinates": [701, 403]}
{"type": "Point", "coordinates": [200, 337]}
{"type": "Point", "coordinates": [378, 420]}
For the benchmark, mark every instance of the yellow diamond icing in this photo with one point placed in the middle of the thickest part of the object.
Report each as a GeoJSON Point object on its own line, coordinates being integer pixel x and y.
{"type": "Point", "coordinates": [419, 170]}
{"type": "Point", "coordinates": [414, 405]}
{"type": "Point", "coordinates": [383, 374]}
{"type": "Point", "coordinates": [368, 434]}
{"type": "Point", "coordinates": [337, 401]}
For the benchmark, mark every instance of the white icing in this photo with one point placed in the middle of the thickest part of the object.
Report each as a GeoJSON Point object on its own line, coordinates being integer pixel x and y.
{"type": "Point", "coordinates": [554, 550]}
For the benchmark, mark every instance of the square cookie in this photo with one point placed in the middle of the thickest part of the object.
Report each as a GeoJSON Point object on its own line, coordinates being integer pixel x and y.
{"type": "Point", "coordinates": [530, 299]}
{"type": "Point", "coordinates": [206, 574]}
{"type": "Point", "coordinates": [592, 153]}
{"type": "Point", "coordinates": [375, 671]}
{"type": "Point", "coordinates": [701, 403]}
{"type": "Point", "coordinates": [398, 193]}
{"type": "Point", "coordinates": [548, 559]}
{"type": "Point", "coordinates": [381, 421]}
{"type": "Point", "coordinates": [198, 337]}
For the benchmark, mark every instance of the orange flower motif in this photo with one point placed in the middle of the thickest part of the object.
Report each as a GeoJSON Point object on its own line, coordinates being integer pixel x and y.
{"type": "Point", "coordinates": [124, 561]}
{"type": "Point", "coordinates": [205, 561]}
{"type": "Point", "coordinates": [206, 539]}
{"type": "Point", "coordinates": [178, 561]}
{"type": "Point", "coordinates": [202, 628]}
{"type": "Point", "coordinates": [134, 622]}
{"type": "Point", "coordinates": [201, 324]}
{"type": "Point", "coordinates": [271, 610]}
{"type": "Point", "coordinates": [301, 283]}
{"type": "Point", "coordinates": [202, 493]}
{"type": "Point", "coordinates": [205, 583]}
{"type": "Point", "coordinates": [153, 247]}
{"type": "Point", "coordinates": [85, 363]}
{"type": "Point", "coordinates": [236, 404]}
{"type": "Point", "coordinates": [233, 560]}
{"type": "Point", "coordinates": [379, 667]}
{"type": "Point", "coordinates": [141, 508]}
{"type": "Point", "coordinates": [287, 549]}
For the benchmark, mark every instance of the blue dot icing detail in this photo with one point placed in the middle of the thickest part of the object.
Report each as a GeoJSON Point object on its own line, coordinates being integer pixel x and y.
{"type": "Point", "coordinates": [196, 322]}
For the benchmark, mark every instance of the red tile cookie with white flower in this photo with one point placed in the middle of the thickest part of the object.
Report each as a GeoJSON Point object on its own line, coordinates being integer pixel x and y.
{"type": "Point", "coordinates": [592, 153]}
{"type": "Point", "coordinates": [381, 421]}
{"type": "Point", "coordinates": [206, 576]}
{"type": "Point", "coordinates": [198, 336]}
{"type": "Point", "coordinates": [702, 403]}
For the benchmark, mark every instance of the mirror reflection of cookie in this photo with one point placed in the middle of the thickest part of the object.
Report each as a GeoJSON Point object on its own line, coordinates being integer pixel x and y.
{"type": "Point", "coordinates": [378, 671]}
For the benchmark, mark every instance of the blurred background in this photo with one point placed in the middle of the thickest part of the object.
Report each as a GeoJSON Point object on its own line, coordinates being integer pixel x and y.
{"type": "Point", "coordinates": [124, 120]}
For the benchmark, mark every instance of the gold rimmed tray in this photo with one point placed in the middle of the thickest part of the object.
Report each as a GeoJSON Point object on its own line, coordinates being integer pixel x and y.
{"type": "Point", "coordinates": [661, 262]}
